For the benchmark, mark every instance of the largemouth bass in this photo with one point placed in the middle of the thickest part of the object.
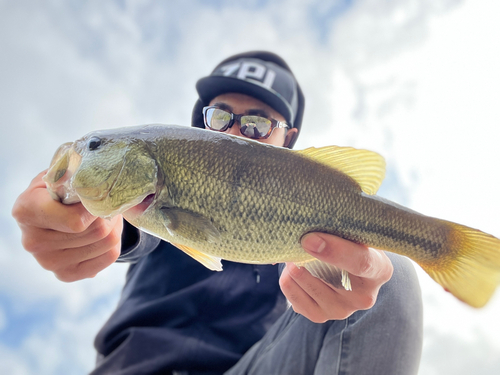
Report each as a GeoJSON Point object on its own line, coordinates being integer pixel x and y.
{"type": "Point", "coordinates": [216, 196]}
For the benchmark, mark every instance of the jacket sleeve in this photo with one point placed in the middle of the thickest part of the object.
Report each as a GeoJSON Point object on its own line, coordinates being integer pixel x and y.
{"type": "Point", "coordinates": [136, 244]}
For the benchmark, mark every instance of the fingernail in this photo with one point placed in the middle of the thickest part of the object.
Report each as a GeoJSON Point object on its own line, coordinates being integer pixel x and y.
{"type": "Point", "coordinates": [293, 269]}
{"type": "Point", "coordinates": [313, 243]}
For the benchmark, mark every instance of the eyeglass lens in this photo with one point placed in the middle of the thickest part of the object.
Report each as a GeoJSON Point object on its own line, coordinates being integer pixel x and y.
{"type": "Point", "coordinates": [251, 126]}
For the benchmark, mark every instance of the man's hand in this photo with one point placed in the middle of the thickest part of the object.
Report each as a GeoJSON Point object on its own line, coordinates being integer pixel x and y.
{"type": "Point", "coordinates": [318, 301]}
{"type": "Point", "coordinates": [65, 239]}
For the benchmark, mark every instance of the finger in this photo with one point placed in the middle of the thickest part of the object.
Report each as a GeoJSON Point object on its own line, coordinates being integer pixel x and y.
{"type": "Point", "coordinates": [356, 259]}
{"type": "Point", "coordinates": [35, 207]}
{"type": "Point", "coordinates": [296, 295]}
{"type": "Point", "coordinates": [314, 298]}
{"type": "Point", "coordinates": [316, 288]}
{"type": "Point", "coordinates": [37, 240]}
{"type": "Point", "coordinates": [62, 259]}
{"type": "Point", "coordinates": [333, 303]}
{"type": "Point", "coordinates": [89, 268]}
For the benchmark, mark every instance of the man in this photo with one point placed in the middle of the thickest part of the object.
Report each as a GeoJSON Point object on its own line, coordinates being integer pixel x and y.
{"type": "Point", "coordinates": [177, 317]}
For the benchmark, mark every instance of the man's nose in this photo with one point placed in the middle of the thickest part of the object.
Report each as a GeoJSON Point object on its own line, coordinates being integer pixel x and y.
{"type": "Point", "coordinates": [235, 129]}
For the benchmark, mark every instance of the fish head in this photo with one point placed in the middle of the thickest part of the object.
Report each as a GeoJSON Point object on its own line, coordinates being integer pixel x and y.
{"type": "Point", "coordinates": [117, 172]}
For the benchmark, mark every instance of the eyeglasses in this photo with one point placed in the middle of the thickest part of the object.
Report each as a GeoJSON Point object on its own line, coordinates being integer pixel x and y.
{"type": "Point", "coordinates": [251, 126]}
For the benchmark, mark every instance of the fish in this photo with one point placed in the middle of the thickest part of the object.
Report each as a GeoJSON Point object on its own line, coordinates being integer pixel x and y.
{"type": "Point", "coordinates": [218, 196]}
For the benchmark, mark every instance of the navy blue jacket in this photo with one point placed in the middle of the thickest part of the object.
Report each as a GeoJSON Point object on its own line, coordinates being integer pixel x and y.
{"type": "Point", "coordinates": [175, 314]}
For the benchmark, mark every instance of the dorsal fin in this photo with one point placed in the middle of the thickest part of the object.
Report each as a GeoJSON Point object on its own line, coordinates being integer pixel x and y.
{"type": "Point", "coordinates": [367, 168]}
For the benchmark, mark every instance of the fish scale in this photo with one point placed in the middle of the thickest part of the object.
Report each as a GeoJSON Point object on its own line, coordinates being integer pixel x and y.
{"type": "Point", "coordinates": [217, 196]}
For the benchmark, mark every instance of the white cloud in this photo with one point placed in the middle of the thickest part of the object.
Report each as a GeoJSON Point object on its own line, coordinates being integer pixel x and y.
{"type": "Point", "coordinates": [447, 354]}
{"type": "Point", "coordinates": [431, 110]}
{"type": "Point", "coordinates": [63, 345]}
{"type": "Point", "coordinates": [12, 363]}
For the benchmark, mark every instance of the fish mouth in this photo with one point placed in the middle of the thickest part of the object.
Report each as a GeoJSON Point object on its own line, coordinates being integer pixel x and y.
{"type": "Point", "coordinates": [140, 208]}
{"type": "Point", "coordinates": [146, 202]}
{"type": "Point", "coordinates": [59, 176]}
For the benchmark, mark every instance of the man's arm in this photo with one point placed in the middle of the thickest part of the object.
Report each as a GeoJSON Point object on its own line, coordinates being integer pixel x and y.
{"type": "Point", "coordinates": [66, 239]}
{"type": "Point", "coordinates": [368, 270]}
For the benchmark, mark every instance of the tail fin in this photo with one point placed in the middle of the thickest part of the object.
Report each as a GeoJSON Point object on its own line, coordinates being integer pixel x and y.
{"type": "Point", "coordinates": [471, 272]}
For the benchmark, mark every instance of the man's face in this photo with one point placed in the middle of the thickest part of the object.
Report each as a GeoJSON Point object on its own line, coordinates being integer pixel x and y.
{"type": "Point", "coordinates": [244, 104]}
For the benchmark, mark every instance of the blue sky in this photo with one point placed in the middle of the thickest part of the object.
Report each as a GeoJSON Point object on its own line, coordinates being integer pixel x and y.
{"type": "Point", "coordinates": [416, 81]}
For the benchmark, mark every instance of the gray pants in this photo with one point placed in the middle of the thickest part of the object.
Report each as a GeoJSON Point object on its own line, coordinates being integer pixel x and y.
{"type": "Point", "coordinates": [387, 339]}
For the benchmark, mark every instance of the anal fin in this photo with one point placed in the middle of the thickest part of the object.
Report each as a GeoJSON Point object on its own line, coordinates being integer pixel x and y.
{"type": "Point", "coordinates": [329, 273]}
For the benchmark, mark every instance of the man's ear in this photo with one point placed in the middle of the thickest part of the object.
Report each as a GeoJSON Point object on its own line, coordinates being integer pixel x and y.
{"type": "Point", "coordinates": [290, 136]}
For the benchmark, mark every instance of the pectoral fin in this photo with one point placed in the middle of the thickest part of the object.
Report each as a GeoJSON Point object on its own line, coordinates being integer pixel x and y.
{"type": "Point", "coordinates": [209, 261]}
{"type": "Point", "coordinates": [332, 275]}
{"type": "Point", "coordinates": [189, 225]}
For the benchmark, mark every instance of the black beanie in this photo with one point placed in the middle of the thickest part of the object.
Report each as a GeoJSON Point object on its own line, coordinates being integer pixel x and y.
{"type": "Point", "coordinates": [260, 74]}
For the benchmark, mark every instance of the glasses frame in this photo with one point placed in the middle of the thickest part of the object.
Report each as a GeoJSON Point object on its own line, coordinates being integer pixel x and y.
{"type": "Point", "coordinates": [234, 117]}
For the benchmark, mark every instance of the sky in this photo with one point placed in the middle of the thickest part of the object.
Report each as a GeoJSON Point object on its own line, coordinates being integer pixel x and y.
{"type": "Point", "coordinates": [415, 80]}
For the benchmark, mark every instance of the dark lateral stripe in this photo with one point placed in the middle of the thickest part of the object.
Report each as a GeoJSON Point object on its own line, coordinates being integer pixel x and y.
{"type": "Point", "coordinates": [430, 247]}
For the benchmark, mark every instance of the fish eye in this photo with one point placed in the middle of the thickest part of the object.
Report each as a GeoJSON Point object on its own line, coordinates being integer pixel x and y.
{"type": "Point", "coordinates": [94, 143]}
